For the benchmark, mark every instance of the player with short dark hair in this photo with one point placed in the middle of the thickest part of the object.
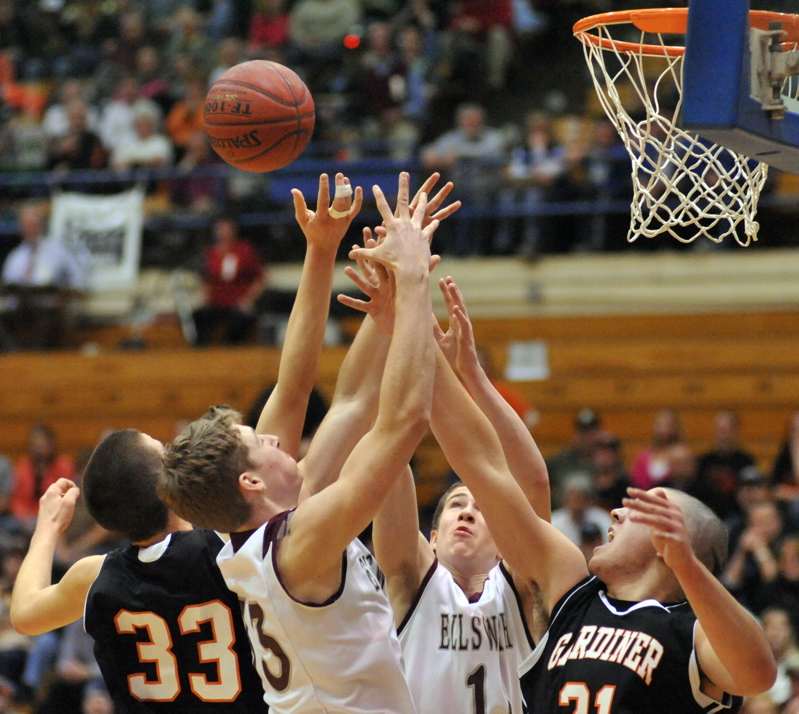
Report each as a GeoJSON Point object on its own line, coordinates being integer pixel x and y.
{"type": "Point", "coordinates": [168, 632]}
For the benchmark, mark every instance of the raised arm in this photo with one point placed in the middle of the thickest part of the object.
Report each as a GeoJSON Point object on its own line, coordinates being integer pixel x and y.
{"type": "Point", "coordinates": [38, 606]}
{"type": "Point", "coordinates": [732, 649]}
{"type": "Point", "coordinates": [533, 549]}
{"type": "Point", "coordinates": [284, 412]}
{"type": "Point", "coordinates": [354, 405]}
{"type": "Point", "coordinates": [521, 452]}
{"type": "Point", "coordinates": [324, 525]}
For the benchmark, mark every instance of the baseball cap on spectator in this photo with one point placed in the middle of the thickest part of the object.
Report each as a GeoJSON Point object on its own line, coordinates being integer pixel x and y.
{"type": "Point", "coordinates": [587, 419]}
{"type": "Point", "coordinates": [751, 476]}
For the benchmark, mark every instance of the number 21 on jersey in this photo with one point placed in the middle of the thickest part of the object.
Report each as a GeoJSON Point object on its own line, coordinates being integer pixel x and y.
{"type": "Point", "coordinates": [577, 693]}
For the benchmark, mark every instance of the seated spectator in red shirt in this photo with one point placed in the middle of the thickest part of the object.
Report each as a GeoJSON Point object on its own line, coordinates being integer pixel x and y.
{"type": "Point", "coordinates": [33, 473]}
{"type": "Point", "coordinates": [234, 279]}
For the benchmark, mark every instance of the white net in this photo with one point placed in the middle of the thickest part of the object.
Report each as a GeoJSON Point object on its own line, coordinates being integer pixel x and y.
{"type": "Point", "coordinates": [683, 185]}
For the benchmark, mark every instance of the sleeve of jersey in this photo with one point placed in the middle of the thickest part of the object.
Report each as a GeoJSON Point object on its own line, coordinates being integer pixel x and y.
{"type": "Point", "coordinates": [710, 705]}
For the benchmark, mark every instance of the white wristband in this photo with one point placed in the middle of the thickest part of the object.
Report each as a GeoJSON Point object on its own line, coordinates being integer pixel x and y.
{"type": "Point", "coordinates": [343, 191]}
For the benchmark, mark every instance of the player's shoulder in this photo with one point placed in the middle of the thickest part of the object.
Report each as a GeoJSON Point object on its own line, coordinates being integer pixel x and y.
{"type": "Point", "coordinates": [85, 571]}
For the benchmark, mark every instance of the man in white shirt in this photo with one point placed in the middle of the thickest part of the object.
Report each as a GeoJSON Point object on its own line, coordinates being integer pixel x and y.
{"type": "Point", "coordinates": [37, 276]}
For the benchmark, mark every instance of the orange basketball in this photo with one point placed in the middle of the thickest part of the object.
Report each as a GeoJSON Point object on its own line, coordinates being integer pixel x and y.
{"type": "Point", "coordinates": [259, 116]}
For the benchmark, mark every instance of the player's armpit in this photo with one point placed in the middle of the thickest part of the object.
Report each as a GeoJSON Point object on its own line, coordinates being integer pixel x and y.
{"type": "Point", "coordinates": [58, 605]}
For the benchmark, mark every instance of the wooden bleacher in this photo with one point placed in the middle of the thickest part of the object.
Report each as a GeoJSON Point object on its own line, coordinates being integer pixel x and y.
{"type": "Point", "coordinates": [625, 358]}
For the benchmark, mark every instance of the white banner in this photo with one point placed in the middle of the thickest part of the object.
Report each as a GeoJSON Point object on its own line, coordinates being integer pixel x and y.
{"type": "Point", "coordinates": [106, 228]}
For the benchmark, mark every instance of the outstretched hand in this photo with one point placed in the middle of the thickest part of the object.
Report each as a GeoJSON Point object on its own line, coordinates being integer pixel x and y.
{"type": "Point", "coordinates": [457, 343]}
{"type": "Point", "coordinates": [320, 227]}
{"type": "Point", "coordinates": [433, 203]}
{"type": "Point", "coordinates": [376, 283]}
{"type": "Point", "coordinates": [57, 505]}
{"type": "Point", "coordinates": [406, 244]}
{"type": "Point", "coordinates": [665, 518]}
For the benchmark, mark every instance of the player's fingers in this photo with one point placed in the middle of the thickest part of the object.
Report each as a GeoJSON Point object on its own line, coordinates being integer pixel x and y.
{"type": "Point", "coordinates": [438, 199]}
{"type": "Point", "coordinates": [323, 195]}
{"type": "Point", "coordinates": [382, 205]}
{"type": "Point", "coordinates": [300, 207]}
{"type": "Point", "coordinates": [430, 229]}
{"type": "Point", "coordinates": [403, 199]}
{"type": "Point", "coordinates": [438, 333]}
{"type": "Point", "coordinates": [357, 202]}
{"type": "Point", "coordinates": [360, 281]}
{"type": "Point", "coordinates": [426, 187]}
{"type": "Point", "coordinates": [448, 211]}
{"type": "Point", "coordinates": [434, 261]}
{"type": "Point", "coordinates": [352, 302]}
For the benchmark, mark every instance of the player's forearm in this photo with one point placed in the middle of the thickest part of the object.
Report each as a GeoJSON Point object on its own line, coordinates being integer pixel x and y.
{"type": "Point", "coordinates": [407, 385]}
{"type": "Point", "coordinates": [306, 327]}
{"type": "Point", "coordinates": [736, 638]}
{"type": "Point", "coordinates": [34, 576]}
{"type": "Point", "coordinates": [521, 452]}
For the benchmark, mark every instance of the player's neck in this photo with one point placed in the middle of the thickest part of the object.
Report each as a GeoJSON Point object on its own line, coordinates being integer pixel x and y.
{"type": "Point", "coordinates": [174, 523]}
{"type": "Point", "coordinates": [262, 512]}
{"type": "Point", "coordinates": [653, 584]}
{"type": "Point", "coordinates": [470, 582]}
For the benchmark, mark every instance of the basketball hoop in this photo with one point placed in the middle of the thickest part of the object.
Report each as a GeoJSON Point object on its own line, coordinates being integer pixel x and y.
{"type": "Point", "coordinates": [683, 185]}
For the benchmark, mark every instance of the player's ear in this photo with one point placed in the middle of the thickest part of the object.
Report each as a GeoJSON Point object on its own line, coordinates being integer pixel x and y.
{"type": "Point", "coordinates": [433, 539]}
{"type": "Point", "coordinates": [250, 481]}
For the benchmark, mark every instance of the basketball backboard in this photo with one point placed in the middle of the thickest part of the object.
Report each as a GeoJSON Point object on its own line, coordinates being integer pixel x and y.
{"type": "Point", "coordinates": [728, 97]}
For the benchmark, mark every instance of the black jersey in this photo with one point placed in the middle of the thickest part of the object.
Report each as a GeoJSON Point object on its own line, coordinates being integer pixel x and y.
{"type": "Point", "coordinates": [607, 656]}
{"type": "Point", "coordinates": [168, 633]}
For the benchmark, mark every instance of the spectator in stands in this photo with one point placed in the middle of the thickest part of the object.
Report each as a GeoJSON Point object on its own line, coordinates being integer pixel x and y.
{"type": "Point", "coordinates": [719, 468]}
{"type": "Point", "coordinates": [577, 457]}
{"type": "Point", "coordinates": [753, 489]}
{"type": "Point", "coordinates": [472, 154]}
{"type": "Point", "coordinates": [117, 116]}
{"type": "Point", "coordinates": [148, 148]}
{"type": "Point", "coordinates": [753, 562]}
{"type": "Point", "coordinates": [122, 51]}
{"type": "Point", "coordinates": [185, 118]}
{"type": "Point", "coordinates": [97, 700]}
{"type": "Point", "coordinates": [194, 187]}
{"type": "Point", "coordinates": [651, 465]}
{"type": "Point", "coordinates": [782, 639]}
{"type": "Point", "coordinates": [152, 78]}
{"type": "Point", "coordinates": [79, 147]}
{"type": "Point", "coordinates": [76, 671]}
{"type": "Point", "coordinates": [682, 467]}
{"type": "Point", "coordinates": [785, 471]}
{"type": "Point", "coordinates": [316, 32]}
{"type": "Point", "coordinates": [56, 120]}
{"type": "Point", "coordinates": [532, 176]}
{"type": "Point", "coordinates": [783, 591]}
{"type": "Point", "coordinates": [39, 273]}
{"type": "Point", "coordinates": [189, 38]}
{"type": "Point", "coordinates": [230, 53]}
{"type": "Point", "coordinates": [478, 42]}
{"type": "Point", "coordinates": [579, 510]}
{"type": "Point", "coordinates": [43, 465]}
{"type": "Point", "coordinates": [234, 280]}
{"type": "Point", "coordinates": [610, 474]}
{"type": "Point", "coordinates": [268, 33]}
{"type": "Point", "coordinates": [420, 76]}
{"type": "Point", "coordinates": [602, 174]}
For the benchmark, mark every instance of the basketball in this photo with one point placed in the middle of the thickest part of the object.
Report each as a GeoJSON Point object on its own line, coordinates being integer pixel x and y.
{"type": "Point", "coordinates": [259, 116]}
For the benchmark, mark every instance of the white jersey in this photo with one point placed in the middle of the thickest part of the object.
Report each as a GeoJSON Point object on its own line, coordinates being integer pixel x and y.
{"type": "Point", "coordinates": [462, 656]}
{"type": "Point", "coordinates": [338, 656]}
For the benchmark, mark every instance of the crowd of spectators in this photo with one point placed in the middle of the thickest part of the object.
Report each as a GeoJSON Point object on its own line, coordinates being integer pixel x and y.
{"type": "Point", "coordinates": [468, 88]}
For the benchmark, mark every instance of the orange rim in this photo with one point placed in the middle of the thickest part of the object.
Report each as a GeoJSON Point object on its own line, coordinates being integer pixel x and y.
{"type": "Point", "coordinates": [667, 21]}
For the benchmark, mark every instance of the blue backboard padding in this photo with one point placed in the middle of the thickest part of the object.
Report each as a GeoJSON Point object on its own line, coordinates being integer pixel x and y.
{"type": "Point", "coordinates": [715, 46]}
{"type": "Point", "coordinates": [716, 88]}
